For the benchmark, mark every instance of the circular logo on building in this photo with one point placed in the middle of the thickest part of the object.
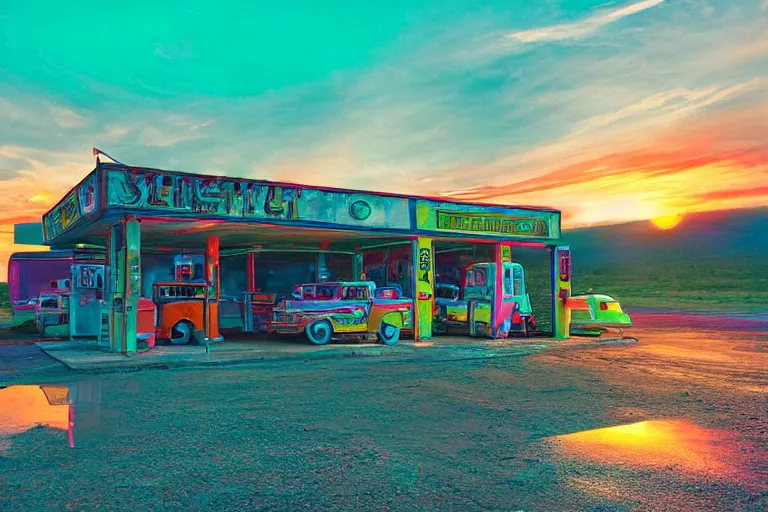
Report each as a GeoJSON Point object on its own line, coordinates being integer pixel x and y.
{"type": "Point", "coordinates": [360, 210]}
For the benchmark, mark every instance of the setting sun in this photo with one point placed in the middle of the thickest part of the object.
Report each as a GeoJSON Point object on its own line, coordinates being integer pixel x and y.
{"type": "Point", "coordinates": [667, 221]}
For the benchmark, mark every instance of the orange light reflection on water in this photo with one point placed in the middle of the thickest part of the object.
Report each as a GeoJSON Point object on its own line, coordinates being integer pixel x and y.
{"type": "Point", "coordinates": [25, 407]}
{"type": "Point", "coordinates": [682, 445]}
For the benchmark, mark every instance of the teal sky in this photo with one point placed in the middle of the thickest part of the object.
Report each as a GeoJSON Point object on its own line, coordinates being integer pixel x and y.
{"type": "Point", "coordinates": [611, 111]}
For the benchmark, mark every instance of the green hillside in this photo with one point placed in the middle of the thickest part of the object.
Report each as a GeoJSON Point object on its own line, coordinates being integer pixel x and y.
{"type": "Point", "coordinates": [711, 261]}
{"type": "Point", "coordinates": [5, 310]}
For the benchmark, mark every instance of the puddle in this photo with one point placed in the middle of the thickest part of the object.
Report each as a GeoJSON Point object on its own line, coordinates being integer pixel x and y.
{"type": "Point", "coordinates": [23, 408]}
{"type": "Point", "coordinates": [676, 445]}
{"type": "Point", "coordinates": [655, 465]}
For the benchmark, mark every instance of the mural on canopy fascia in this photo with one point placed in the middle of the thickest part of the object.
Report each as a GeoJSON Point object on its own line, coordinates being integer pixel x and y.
{"type": "Point", "coordinates": [77, 205]}
{"type": "Point", "coordinates": [225, 197]}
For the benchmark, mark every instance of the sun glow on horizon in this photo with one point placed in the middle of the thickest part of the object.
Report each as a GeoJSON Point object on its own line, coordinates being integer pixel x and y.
{"type": "Point", "coordinates": [667, 221]}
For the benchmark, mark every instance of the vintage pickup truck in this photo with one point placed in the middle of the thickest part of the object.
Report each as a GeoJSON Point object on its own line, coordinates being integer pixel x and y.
{"type": "Point", "coordinates": [342, 311]}
{"type": "Point", "coordinates": [472, 312]}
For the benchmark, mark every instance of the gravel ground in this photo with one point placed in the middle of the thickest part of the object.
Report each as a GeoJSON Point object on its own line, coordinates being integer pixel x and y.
{"type": "Point", "coordinates": [418, 433]}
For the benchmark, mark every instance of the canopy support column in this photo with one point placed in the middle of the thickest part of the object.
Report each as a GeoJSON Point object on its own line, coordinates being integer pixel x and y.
{"type": "Point", "coordinates": [424, 293]}
{"type": "Point", "coordinates": [357, 265]}
{"type": "Point", "coordinates": [250, 272]}
{"type": "Point", "coordinates": [212, 278]}
{"type": "Point", "coordinates": [124, 289]}
{"type": "Point", "coordinates": [321, 269]}
{"type": "Point", "coordinates": [561, 290]}
{"type": "Point", "coordinates": [498, 310]}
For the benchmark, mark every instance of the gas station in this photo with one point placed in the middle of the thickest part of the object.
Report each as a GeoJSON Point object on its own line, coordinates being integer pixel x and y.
{"type": "Point", "coordinates": [221, 251]}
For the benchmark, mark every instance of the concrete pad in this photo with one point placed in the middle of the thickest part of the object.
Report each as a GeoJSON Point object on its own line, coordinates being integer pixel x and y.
{"type": "Point", "coordinates": [87, 356]}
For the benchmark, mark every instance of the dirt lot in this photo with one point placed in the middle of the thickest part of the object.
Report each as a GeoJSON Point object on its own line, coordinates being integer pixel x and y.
{"type": "Point", "coordinates": [676, 421]}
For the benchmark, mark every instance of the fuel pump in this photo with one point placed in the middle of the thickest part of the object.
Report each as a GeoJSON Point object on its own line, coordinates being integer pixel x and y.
{"type": "Point", "coordinates": [184, 268]}
{"type": "Point", "coordinates": [86, 299]}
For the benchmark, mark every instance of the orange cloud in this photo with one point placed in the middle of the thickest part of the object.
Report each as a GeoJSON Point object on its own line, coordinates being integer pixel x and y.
{"type": "Point", "coordinates": [759, 192]}
{"type": "Point", "coordinates": [704, 164]}
{"type": "Point", "coordinates": [34, 190]}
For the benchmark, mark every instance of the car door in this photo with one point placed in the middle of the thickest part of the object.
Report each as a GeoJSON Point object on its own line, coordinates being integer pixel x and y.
{"type": "Point", "coordinates": [508, 303]}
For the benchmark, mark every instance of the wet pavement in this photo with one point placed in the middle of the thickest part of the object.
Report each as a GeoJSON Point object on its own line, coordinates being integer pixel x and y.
{"type": "Point", "coordinates": [677, 421]}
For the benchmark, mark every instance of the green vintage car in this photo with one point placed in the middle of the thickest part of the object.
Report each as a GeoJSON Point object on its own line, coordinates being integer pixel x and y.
{"type": "Point", "coordinates": [592, 315]}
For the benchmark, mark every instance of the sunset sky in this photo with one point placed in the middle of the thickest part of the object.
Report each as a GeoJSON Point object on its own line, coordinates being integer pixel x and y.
{"type": "Point", "coordinates": [610, 111]}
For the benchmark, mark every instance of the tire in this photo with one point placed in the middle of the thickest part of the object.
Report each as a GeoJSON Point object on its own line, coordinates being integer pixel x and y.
{"type": "Point", "coordinates": [319, 332]}
{"type": "Point", "coordinates": [181, 333]}
{"type": "Point", "coordinates": [389, 334]}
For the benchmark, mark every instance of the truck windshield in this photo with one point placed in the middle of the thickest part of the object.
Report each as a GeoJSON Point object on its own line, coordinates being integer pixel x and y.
{"type": "Point", "coordinates": [476, 277]}
{"type": "Point", "coordinates": [508, 281]}
{"type": "Point", "coordinates": [518, 281]}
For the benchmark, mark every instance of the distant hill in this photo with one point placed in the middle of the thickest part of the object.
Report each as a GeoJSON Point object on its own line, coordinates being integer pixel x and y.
{"type": "Point", "coordinates": [714, 260]}
{"type": "Point", "coordinates": [710, 261]}
{"type": "Point", "coordinates": [725, 235]}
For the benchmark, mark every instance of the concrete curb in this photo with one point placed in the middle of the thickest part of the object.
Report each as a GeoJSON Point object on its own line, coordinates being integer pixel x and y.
{"type": "Point", "coordinates": [136, 363]}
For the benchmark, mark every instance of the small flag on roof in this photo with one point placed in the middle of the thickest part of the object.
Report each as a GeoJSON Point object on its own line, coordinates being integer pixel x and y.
{"type": "Point", "coordinates": [97, 152]}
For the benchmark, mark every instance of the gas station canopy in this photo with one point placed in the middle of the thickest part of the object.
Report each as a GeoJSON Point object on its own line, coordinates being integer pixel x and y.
{"type": "Point", "coordinates": [181, 210]}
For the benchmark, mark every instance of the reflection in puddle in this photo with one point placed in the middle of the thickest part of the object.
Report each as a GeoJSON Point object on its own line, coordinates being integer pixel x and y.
{"type": "Point", "coordinates": [659, 444]}
{"type": "Point", "coordinates": [25, 407]}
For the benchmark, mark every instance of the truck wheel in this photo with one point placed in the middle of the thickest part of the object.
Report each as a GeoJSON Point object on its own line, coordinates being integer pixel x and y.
{"type": "Point", "coordinates": [319, 332]}
{"type": "Point", "coordinates": [530, 328]}
{"type": "Point", "coordinates": [389, 334]}
{"type": "Point", "coordinates": [181, 334]}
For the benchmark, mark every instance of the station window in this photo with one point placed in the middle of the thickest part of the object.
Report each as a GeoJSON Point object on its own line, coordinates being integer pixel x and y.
{"type": "Point", "coordinates": [446, 292]}
{"type": "Point", "coordinates": [325, 292]}
{"type": "Point", "coordinates": [355, 293]}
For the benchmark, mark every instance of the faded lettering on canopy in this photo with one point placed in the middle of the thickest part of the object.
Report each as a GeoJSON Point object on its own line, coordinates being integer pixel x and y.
{"type": "Point", "coordinates": [228, 197]}
{"type": "Point", "coordinates": [490, 223]}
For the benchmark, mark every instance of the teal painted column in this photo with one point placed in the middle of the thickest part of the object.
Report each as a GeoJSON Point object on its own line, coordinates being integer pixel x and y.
{"type": "Point", "coordinates": [124, 261]}
{"type": "Point", "coordinates": [116, 271]}
{"type": "Point", "coordinates": [132, 284]}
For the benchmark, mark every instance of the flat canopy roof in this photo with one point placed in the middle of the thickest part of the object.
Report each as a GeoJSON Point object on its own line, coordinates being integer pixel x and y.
{"type": "Point", "coordinates": [180, 210]}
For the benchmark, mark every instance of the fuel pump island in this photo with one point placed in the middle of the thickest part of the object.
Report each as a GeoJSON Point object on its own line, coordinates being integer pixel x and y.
{"type": "Point", "coordinates": [177, 257]}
